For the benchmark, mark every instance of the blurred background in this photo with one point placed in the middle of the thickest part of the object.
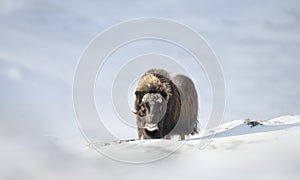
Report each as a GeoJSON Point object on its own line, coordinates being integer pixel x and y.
{"type": "Point", "coordinates": [257, 43]}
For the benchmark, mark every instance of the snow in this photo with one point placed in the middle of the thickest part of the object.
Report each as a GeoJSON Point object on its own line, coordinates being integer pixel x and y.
{"type": "Point", "coordinates": [238, 151]}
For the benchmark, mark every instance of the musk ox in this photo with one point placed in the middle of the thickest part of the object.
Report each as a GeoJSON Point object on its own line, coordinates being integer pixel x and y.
{"type": "Point", "coordinates": [165, 104]}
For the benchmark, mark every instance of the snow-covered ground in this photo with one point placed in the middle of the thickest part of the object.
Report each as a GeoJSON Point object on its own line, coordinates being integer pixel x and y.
{"type": "Point", "coordinates": [269, 150]}
{"type": "Point", "coordinates": [239, 136]}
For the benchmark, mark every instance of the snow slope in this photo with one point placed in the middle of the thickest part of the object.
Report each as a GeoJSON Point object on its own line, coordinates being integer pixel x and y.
{"type": "Point", "coordinates": [238, 151]}
{"type": "Point", "coordinates": [269, 150]}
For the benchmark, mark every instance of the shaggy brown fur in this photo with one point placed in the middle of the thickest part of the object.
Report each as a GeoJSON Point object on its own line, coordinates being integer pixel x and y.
{"type": "Point", "coordinates": [182, 104]}
{"type": "Point", "coordinates": [188, 122]}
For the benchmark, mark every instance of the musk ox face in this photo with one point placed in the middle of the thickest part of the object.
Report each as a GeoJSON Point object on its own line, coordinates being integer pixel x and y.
{"type": "Point", "coordinates": [152, 109]}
